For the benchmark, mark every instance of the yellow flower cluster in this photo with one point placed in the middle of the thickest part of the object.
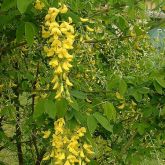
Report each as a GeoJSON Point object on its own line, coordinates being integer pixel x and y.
{"type": "Point", "coordinates": [39, 5]}
{"type": "Point", "coordinates": [68, 147]}
{"type": "Point", "coordinates": [60, 39]}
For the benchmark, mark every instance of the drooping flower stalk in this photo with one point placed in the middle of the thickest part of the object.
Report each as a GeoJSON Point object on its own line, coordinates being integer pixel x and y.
{"type": "Point", "coordinates": [60, 38]}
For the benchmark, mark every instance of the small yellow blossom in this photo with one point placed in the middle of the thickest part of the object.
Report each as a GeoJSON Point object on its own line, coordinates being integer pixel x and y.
{"type": "Point", "coordinates": [118, 95]}
{"type": "Point", "coordinates": [89, 29]}
{"type": "Point", "coordinates": [60, 122]}
{"type": "Point", "coordinates": [50, 52]}
{"type": "Point", "coordinates": [133, 103]}
{"type": "Point", "coordinates": [88, 148]}
{"type": "Point", "coordinates": [46, 158]}
{"type": "Point", "coordinates": [63, 9]}
{"type": "Point", "coordinates": [87, 37]}
{"type": "Point", "coordinates": [67, 163]}
{"type": "Point", "coordinates": [82, 154]}
{"type": "Point", "coordinates": [58, 95]}
{"type": "Point", "coordinates": [84, 19]}
{"type": "Point", "coordinates": [58, 70]}
{"type": "Point", "coordinates": [87, 160]}
{"type": "Point", "coordinates": [39, 5]}
{"type": "Point", "coordinates": [53, 10]}
{"type": "Point", "coordinates": [53, 62]}
{"type": "Point", "coordinates": [70, 20]}
{"type": "Point", "coordinates": [81, 131]}
{"type": "Point", "coordinates": [121, 106]}
{"type": "Point", "coordinates": [57, 84]}
{"type": "Point", "coordinates": [52, 154]}
{"type": "Point", "coordinates": [60, 156]}
{"type": "Point", "coordinates": [68, 82]}
{"type": "Point", "coordinates": [46, 134]}
{"type": "Point", "coordinates": [72, 159]}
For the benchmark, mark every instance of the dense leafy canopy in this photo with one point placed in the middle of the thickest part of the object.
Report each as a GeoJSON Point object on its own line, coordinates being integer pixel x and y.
{"type": "Point", "coordinates": [118, 77]}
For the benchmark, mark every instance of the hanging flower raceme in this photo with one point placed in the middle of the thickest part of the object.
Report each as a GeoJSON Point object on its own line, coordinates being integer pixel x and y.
{"type": "Point", "coordinates": [68, 148]}
{"type": "Point", "coordinates": [60, 38]}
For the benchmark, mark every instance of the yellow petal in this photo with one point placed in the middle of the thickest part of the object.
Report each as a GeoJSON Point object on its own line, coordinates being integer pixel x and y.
{"type": "Point", "coordinates": [58, 95]}
{"type": "Point", "coordinates": [52, 154]}
{"type": "Point", "coordinates": [63, 9]}
{"type": "Point", "coordinates": [52, 25]}
{"type": "Point", "coordinates": [55, 30]}
{"type": "Point", "coordinates": [47, 17]}
{"type": "Point", "coordinates": [56, 85]}
{"type": "Point", "coordinates": [46, 158]}
{"type": "Point", "coordinates": [58, 70]}
{"type": "Point", "coordinates": [53, 10]}
{"type": "Point", "coordinates": [39, 5]}
{"type": "Point", "coordinates": [46, 49]}
{"type": "Point", "coordinates": [88, 148]}
{"type": "Point", "coordinates": [118, 95]}
{"type": "Point", "coordinates": [46, 134]}
{"type": "Point", "coordinates": [89, 29]}
{"type": "Point", "coordinates": [64, 76]}
{"type": "Point", "coordinates": [121, 106]}
{"type": "Point", "coordinates": [55, 79]}
{"type": "Point", "coordinates": [70, 20]}
{"type": "Point", "coordinates": [133, 103]}
{"type": "Point", "coordinates": [68, 82]}
{"type": "Point", "coordinates": [87, 160]}
{"type": "Point", "coordinates": [65, 66]}
{"type": "Point", "coordinates": [64, 30]}
{"type": "Point", "coordinates": [87, 37]}
{"type": "Point", "coordinates": [84, 19]}
{"type": "Point", "coordinates": [53, 63]}
{"type": "Point", "coordinates": [50, 52]}
{"type": "Point", "coordinates": [67, 163]}
{"type": "Point", "coordinates": [60, 156]}
{"type": "Point", "coordinates": [82, 154]}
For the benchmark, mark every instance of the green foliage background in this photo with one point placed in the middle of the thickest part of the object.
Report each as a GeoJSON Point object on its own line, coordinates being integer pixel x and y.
{"type": "Point", "coordinates": [118, 76]}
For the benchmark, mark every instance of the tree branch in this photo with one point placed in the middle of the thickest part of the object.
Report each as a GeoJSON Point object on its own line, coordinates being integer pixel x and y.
{"type": "Point", "coordinates": [18, 129]}
{"type": "Point", "coordinates": [128, 144]}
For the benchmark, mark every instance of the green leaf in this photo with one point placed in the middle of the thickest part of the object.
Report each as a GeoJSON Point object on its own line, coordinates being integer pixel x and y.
{"type": "Point", "coordinates": [69, 115]}
{"type": "Point", "coordinates": [61, 107]}
{"type": "Point", "coordinates": [22, 5]}
{"type": "Point", "coordinates": [72, 123]}
{"type": "Point", "coordinates": [113, 83]}
{"type": "Point", "coordinates": [20, 32]}
{"type": "Point", "coordinates": [158, 88]}
{"type": "Point", "coordinates": [50, 108]}
{"type": "Point", "coordinates": [5, 19]}
{"type": "Point", "coordinates": [80, 117]}
{"type": "Point", "coordinates": [78, 94]}
{"type": "Point", "coordinates": [135, 93]}
{"type": "Point", "coordinates": [29, 32]}
{"type": "Point", "coordinates": [162, 112]}
{"type": "Point", "coordinates": [143, 90]}
{"type": "Point", "coordinates": [103, 121]}
{"type": "Point", "coordinates": [138, 30]}
{"type": "Point", "coordinates": [93, 162]}
{"type": "Point", "coordinates": [7, 4]}
{"type": "Point", "coordinates": [122, 23]}
{"type": "Point", "coordinates": [109, 111]}
{"type": "Point", "coordinates": [122, 87]}
{"type": "Point", "coordinates": [160, 81]}
{"type": "Point", "coordinates": [8, 111]}
{"type": "Point", "coordinates": [141, 128]}
{"type": "Point", "coordinates": [92, 124]}
{"type": "Point", "coordinates": [39, 109]}
{"type": "Point", "coordinates": [74, 104]}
